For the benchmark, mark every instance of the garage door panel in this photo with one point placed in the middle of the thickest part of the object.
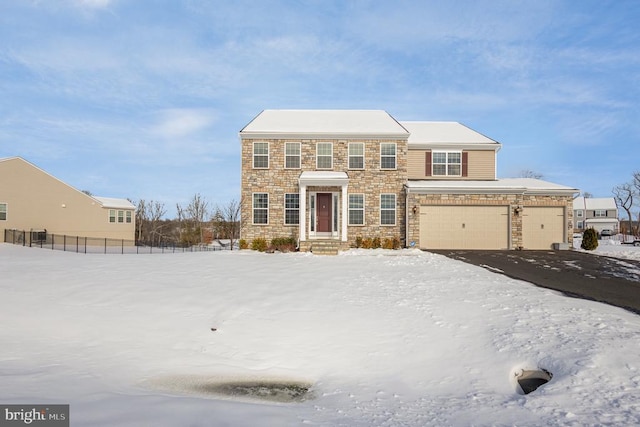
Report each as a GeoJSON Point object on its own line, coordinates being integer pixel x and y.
{"type": "Point", "coordinates": [542, 227]}
{"type": "Point", "coordinates": [464, 227]}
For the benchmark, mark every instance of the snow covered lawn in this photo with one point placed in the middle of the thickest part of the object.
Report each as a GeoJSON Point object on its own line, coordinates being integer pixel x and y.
{"type": "Point", "coordinates": [386, 338]}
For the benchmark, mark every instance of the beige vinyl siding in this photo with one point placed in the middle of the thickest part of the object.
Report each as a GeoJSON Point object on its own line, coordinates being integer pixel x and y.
{"type": "Point", "coordinates": [481, 165]}
{"type": "Point", "coordinates": [39, 201]}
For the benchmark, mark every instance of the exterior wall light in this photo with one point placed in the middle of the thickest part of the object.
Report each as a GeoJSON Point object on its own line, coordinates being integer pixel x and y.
{"type": "Point", "coordinates": [414, 209]}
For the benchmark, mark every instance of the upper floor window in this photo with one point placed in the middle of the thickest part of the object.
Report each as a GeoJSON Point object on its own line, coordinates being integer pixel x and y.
{"type": "Point", "coordinates": [292, 155]}
{"type": "Point", "coordinates": [324, 155]}
{"type": "Point", "coordinates": [447, 164]}
{"type": "Point", "coordinates": [388, 155]}
{"type": "Point", "coordinates": [292, 208]}
{"type": "Point", "coordinates": [600, 213]}
{"type": "Point", "coordinates": [3, 211]}
{"type": "Point", "coordinates": [261, 155]}
{"type": "Point", "coordinates": [388, 209]}
{"type": "Point", "coordinates": [356, 209]}
{"type": "Point", "coordinates": [579, 213]}
{"type": "Point", "coordinates": [260, 208]}
{"type": "Point", "coordinates": [120, 216]}
{"type": "Point", "coordinates": [356, 155]}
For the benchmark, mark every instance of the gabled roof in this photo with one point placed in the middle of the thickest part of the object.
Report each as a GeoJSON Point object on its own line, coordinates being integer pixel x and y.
{"type": "Point", "coordinates": [594, 203]}
{"type": "Point", "coordinates": [324, 124]}
{"type": "Point", "coordinates": [106, 202]}
{"type": "Point", "coordinates": [433, 134]}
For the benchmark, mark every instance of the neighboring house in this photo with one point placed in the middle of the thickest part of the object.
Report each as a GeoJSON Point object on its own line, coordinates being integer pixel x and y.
{"type": "Point", "coordinates": [33, 200]}
{"type": "Point", "coordinates": [598, 213]}
{"type": "Point", "coordinates": [336, 175]}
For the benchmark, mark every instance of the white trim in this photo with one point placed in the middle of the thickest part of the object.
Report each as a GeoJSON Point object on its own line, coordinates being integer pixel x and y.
{"type": "Point", "coordinates": [253, 208]}
{"type": "Point", "coordinates": [253, 154]}
{"type": "Point", "coordinates": [349, 156]}
{"type": "Point", "coordinates": [324, 155]}
{"type": "Point", "coordinates": [446, 163]}
{"type": "Point", "coordinates": [299, 154]}
{"type": "Point", "coordinates": [395, 210]}
{"type": "Point", "coordinates": [395, 156]}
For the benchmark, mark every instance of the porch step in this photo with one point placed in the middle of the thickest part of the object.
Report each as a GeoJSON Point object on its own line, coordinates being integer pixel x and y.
{"type": "Point", "coordinates": [323, 247]}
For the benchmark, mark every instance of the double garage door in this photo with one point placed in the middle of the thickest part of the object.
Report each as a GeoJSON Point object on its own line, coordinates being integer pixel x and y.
{"type": "Point", "coordinates": [487, 227]}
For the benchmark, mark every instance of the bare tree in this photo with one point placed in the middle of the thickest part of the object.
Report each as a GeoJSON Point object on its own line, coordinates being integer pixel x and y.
{"type": "Point", "coordinates": [528, 173]}
{"type": "Point", "coordinates": [226, 221]}
{"type": "Point", "coordinates": [141, 219]}
{"type": "Point", "coordinates": [156, 211]}
{"type": "Point", "coordinates": [624, 195]}
{"type": "Point", "coordinates": [197, 210]}
{"type": "Point", "coordinates": [587, 195]}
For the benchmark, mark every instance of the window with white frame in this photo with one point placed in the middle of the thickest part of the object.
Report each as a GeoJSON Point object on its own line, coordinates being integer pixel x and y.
{"type": "Point", "coordinates": [292, 155]}
{"type": "Point", "coordinates": [260, 208]}
{"type": "Point", "coordinates": [261, 155]}
{"type": "Point", "coordinates": [356, 155]}
{"type": "Point", "coordinates": [324, 155]}
{"type": "Point", "coordinates": [356, 209]}
{"type": "Point", "coordinates": [600, 213]}
{"type": "Point", "coordinates": [447, 163]}
{"type": "Point", "coordinates": [388, 155]}
{"type": "Point", "coordinates": [3, 211]}
{"type": "Point", "coordinates": [580, 225]}
{"type": "Point", "coordinates": [120, 216]}
{"type": "Point", "coordinates": [387, 209]}
{"type": "Point", "coordinates": [579, 213]}
{"type": "Point", "coordinates": [292, 209]}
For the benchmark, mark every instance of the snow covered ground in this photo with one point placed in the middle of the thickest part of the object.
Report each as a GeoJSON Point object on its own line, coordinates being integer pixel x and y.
{"type": "Point", "coordinates": [386, 338]}
{"type": "Point", "coordinates": [612, 247]}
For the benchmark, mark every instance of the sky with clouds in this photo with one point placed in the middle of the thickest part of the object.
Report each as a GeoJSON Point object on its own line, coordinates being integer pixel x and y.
{"type": "Point", "coordinates": [144, 99]}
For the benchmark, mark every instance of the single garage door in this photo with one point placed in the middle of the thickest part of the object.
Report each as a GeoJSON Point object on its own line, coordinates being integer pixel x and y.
{"type": "Point", "coordinates": [464, 227]}
{"type": "Point", "coordinates": [542, 227]}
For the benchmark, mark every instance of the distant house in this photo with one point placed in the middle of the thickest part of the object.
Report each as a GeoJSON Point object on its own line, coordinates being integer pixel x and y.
{"type": "Point", "coordinates": [32, 200]}
{"type": "Point", "coordinates": [598, 213]}
{"type": "Point", "coordinates": [337, 176]}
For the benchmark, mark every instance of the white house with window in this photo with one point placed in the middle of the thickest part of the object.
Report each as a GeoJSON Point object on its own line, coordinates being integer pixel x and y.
{"type": "Point", "coordinates": [598, 213]}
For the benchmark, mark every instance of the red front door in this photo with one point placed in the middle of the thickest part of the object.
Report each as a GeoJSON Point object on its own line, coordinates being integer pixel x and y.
{"type": "Point", "coordinates": [324, 212]}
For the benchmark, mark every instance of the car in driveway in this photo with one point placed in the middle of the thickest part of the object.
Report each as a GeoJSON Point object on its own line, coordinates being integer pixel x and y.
{"type": "Point", "coordinates": [606, 232]}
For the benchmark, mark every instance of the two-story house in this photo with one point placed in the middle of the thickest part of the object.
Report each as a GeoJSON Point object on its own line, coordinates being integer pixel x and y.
{"type": "Point", "coordinates": [34, 201]}
{"type": "Point", "coordinates": [598, 213]}
{"type": "Point", "coordinates": [337, 175]}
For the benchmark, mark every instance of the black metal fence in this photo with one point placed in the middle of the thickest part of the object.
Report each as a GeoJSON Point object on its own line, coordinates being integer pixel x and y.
{"type": "Point", "coordinates": [95, 245]}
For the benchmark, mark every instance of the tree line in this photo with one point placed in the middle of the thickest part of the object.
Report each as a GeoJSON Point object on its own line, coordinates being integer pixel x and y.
{"type": "Point", "coordinates": [627, 198]}
{"type": "Point", "coordinates": [197, 223]}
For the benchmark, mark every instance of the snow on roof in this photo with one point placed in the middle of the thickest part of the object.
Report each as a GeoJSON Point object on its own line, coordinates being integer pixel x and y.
{"type": "Point", "coordinates": [108, 202]}
{"type": "Point", "coordinates": [444, 133]}
{"type": "Point", "coordinates": [505, 185]}
{"type": "Point", "coordinates": [594, 203]}
{"type": "Point", "coordinates": [362, 123]}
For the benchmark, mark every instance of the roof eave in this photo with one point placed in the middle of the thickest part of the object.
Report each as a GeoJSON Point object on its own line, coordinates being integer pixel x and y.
{"type": "Point", "coordinates": [321, 135]}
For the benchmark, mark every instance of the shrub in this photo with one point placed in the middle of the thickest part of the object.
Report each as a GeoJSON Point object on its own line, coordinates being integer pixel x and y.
{"type": "Point", "coordinates": [358, 241]}
{"type": "Point", "coordinates": [589, 239]}
{"type": "Point", "coordinates": [367, 243]}
{"type": "Point", "coordinates": [283, 244]}
{"type": "Point", "coordinates": [259, 244]}
{"type": "Point", "coordinates": [375, 243]}
{"type": "Point", "coordinates": [391, 243]}
{"type": "Point", "coordinates": [243, 244]}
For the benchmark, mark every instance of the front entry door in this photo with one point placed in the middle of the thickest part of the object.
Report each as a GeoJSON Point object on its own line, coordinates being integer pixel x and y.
{"type": "Point", "coordinates": [324, 212]}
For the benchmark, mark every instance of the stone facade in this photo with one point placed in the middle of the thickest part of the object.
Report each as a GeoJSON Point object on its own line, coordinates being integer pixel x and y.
{"type": "Point", "coordinates": [276, 181]}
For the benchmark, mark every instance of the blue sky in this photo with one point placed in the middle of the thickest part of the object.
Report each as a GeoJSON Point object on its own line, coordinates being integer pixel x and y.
{"type": "Point", "coordinates": [144, 99]}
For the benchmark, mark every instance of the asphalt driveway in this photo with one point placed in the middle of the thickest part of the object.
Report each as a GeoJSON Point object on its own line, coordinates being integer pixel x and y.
{"type": "Point", "coordinates": [576, 274]}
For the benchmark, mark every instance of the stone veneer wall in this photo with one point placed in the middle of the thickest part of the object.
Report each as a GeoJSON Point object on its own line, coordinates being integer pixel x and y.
{"type": "Point", "coordinates": [512, 200]}
{"type": "Point", "coordinates": [276, 181]}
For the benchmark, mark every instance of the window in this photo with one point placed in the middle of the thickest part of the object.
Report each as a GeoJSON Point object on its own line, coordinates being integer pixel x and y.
{"type": "Point", "coordinates": [447, 164]}
{"type": "Point", "coordinates": [599, 213]}
{"type": "Point", "coordinates": [388, 209]}
{"type": "Point", "coordinates": [261, 155]}
{"type": "Point", "coordinates": [324, 155]}
{"type": "Point", "coordinates": [356, 155]}
{"type": "Point", "coordinates": [3, 211]}
{"type": "Point", "coordinates": [580, 225]}
{"type": "Point", "coordinates": [292, 209]}
{"type": "Point", "coordinates": [128, 217]}
{"type": "Point", "coordinates": [579, 213]}
{"type": "Point", "coordinates": [121, 216]}
{"type": "Point", "coordinates": [112, 215]}
{"type": "Point", "coordinates": [292, 155]}
{"type": "Point", "coordinates": [387, 156]}
{"type": "Point", "coordinates": [356, 209]}
{"type": "Point", "coordinates": [260, 208]}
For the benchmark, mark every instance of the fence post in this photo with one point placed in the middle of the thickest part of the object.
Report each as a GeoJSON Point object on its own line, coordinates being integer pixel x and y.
{"type": "Point", "coordinates": [52, 239]}
{"type": "Point", "coordinates": [123, 246]}
{"type": "Point", "coordinates": [85, 244]}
